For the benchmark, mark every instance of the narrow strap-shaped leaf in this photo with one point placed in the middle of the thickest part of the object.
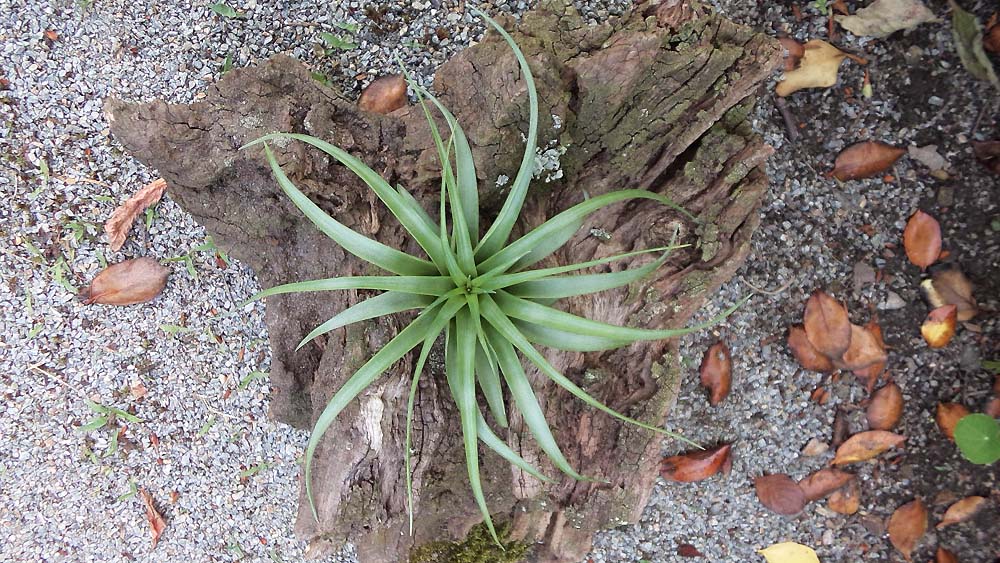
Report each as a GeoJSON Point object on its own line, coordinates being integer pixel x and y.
{"type": "Point", "coordinates": [450, 260]}
{"type": "Point", "coordinates": [561, 320]}
{"type": "Point", "coordinates": [460, 367]}
{"type": "Point", "coordinates": [395, 349]}
{"type": "Point", "coordinates": [496, 237]}
{"type": "Point", "coordinates": [385, 304]}
{"type": "Point", "coordinates": [568, 286]}
{"type": "Point", "coordinates": [412, 201]}
{"type": "Point", "coordinates": [420, 285]}
{"type": "Point", "coordinates": [499, 321]}
{"type": "Point", "coordinates": [496, 444]}
{"type": "Point", "coordinates": [489, 382]}
{"type": "Point", "coordinates": [492, 282]}
{"type": "Point", "coordinates": [369, 250]}
{"type": "Point", "coordinates": [527, 403]}
{"type": "Point", "coordinates": [548, 245]}
{"type": "Point", "coordinates": [562, 340]}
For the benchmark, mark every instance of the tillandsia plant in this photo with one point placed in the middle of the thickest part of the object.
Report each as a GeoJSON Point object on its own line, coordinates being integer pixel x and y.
{"type": "Point", "coordinates": [478, 290]}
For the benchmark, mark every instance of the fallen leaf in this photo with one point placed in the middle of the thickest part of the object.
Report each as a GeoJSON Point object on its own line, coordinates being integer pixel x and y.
{"type": "Point", "coordinates": [906, 526]}
{"type": "Point", "coordinates": [864, 160]}
{"type": "Point", "coordinates": [688, 550]}
{"type": "Point", "coordinates": [817, 68]}
{"type": "Point", "coordinates": [944, 556]}
{"type": "Point", "coordinates": [789, 552]}
{"type": "Point", "coordinates": [137, 390]}
{"type": "Point", "coordinates": [51, 34]}
{"type": "Point", "coordinates": [840, 429]}
{"type": "Point", "coordinates": [939, 327]}
{"type": "Point", "coordinates": [871, 373]}
{"type": "Point", "coordinates": [864, 351]}
{"type": "Point", "coordinates": [780, 493]}
{"type": "Point", "coordinates": [118, 225]}
{"type": "Point", "coordinates": [795, 52]}
{"type": "Point", "coordinates": [156, 522]}
{"type": "Point", "coordinates": [978, 438]}
{"type": "Point", "coordinates": [823, 482]}
{"type": "Point", "coordinates": [928, 156]}
{"type": "Point", "coordinates": [866, 445]}
{"type": "Point", "coordinates": [988, 154]}
{"type": "Point", "coordinates": [385, 95]}
{"type": "Point", "coordinates": [126, 283]}
{"type": "Point", "coordinates": [993, 407]}
{"type": "Point", "coordinates": [884, 17]}
{"type": "Point", "coordinates": [951, 287]}
{"type": "Point", "coordinates": [948, 415]}
{"type": "Point", "coordinates": [815, 447]}
{"type": "Point", "coordinates": [922, 239]}
{"type": "Point", "coordinates": [991, 40]}
{"type": "Point", "coordinates": [805, 353]}
{"type": "Point", "coordinates": [962, 510]}
{"type": "Point", "coordinates": [885, 408]}
{"type": "Point", "coordinates": [826, 324]}
{"type": "Point", "coordinates": [846, 500]}
{"type": "Point", "coordinates": [968, 36]}
{"type": "Point", "coordinates": [717, 372]}
{"type": "Point", "coordinates": [695, 466]}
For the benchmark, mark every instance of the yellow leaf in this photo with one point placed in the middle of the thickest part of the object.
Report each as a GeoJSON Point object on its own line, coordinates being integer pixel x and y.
{"type": "Point", "coordinates": [789, 552]}
{"type": "Point", "coordinates": [817, 69]}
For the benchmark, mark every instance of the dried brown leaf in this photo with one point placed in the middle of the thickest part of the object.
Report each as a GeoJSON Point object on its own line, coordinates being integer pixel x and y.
{"type": "Point", "coordinates": [884, 17]}
{"type": "Point", "coordinates": [988, 154]}
{"type": "Point", "coordinates": [871, 373]}
{"type": "Point", "coordinates": [951, 287]}
{"type": "Point", "coordinates": [939, 326]}
{"type": "Point", "coordinates": [945, 556]}
{"type": "Point", "coordinates": [717, 372]}
{"type": "Point", "coordinates": [823, 482]}
{"type": "Point", "coordinates": [118, 225]}
{"type": "Point", "coordinates": [991, 35]}
{"type": "Point", "coordinates": [156, 522]}
{"type": "Point", "coordinates": [885, 408]}
{"type": "Point", "coordinates": [864, 160]}
{"type": "Point", "coordinates": [126, 283]}
{"type": "Point", "coordinates": [962, 510]}
{"type": "Point", "coordinates": [865, 349]}
{"type": "Point", "coordinates": [826, 324]}
{"type": "Point", "coordinates": [807, 354]}
{"type": "Point", "coordinates": [840, 429]}
{"type": "Point", "coordinates": [688, 550]}
{"type": "Point", "coordinates": [780, 493]}
{"type": "Point", "coordinates": [846, 500]}
{"type": "Point", "coordinates": [815, 447]}
{"type": "Point", "coordinates": [993, 407]}
{"type": "Point", "coordinates": [948, 415]}
{"type": "Point", "coordinates": [922, 239]}
{"type": "Point", "coordinates": [866, 445]}
{"type": "Point", "coordinates": [906, 526]}
{"type": "Point", "coordinates": [695, 466]}
{"type": "Point", "coordinates": [385, 95]}
{"type": "Point", "coordinates": [817, 68]}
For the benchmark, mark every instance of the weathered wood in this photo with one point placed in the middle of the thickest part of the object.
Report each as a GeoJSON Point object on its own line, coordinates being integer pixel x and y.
{"type": "Point", "coordinates": [657, 99]}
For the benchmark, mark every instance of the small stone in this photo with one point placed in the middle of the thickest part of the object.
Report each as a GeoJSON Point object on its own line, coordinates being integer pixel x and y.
{"type": "Point", "coordinates": [892, 302]}
{"type": "Point", "coordinates": [815, 447]}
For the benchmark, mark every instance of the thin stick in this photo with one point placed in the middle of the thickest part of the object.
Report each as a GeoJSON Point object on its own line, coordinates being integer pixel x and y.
{"type": "Point", "coordinates": [771, 292]}
{"type": "Point", "coordinates": [786, 113]}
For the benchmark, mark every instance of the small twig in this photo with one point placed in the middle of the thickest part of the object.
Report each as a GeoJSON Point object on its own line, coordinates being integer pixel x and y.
{"type": "Point", "coordinates": [211, 409]}
{"type": "Point", "coordinates": [771, 292]}
{"type": "Point", "coordinates": [790, 122]}
{"type": "Point", "coordinates": [65, 383]}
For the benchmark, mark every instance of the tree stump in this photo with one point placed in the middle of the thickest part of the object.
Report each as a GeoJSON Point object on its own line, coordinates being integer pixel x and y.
{"type": "Point", "coordinates": [657, 99]}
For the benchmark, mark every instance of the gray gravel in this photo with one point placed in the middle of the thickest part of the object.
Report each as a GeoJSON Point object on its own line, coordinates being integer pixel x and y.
{"type": "Point", "coordinates": [222, 473]}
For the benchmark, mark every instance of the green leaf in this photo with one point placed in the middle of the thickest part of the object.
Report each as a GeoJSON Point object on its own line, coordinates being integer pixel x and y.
{"type": "Point", "coordinates": [379, 306]}
{"type": "Point", "coordinates": [225, 10]}
{"type": "Point", "coordinates": [250, 378]}
{"type": "Point", "coordinates": [969, 44]}
{"type": "Point", "coordinates": [206, 427]}
{"type": "Point", "coordinates": [492, 441]}
{"type": "Point", "coordinates": [562, 340]}
{"type": "Point", "coordinates": [35, 329]}
{"type": "Point", "coordinates": [174, 329]}
{"type": "Point", "coordinates": [978, 437]}
{"type": "Point", "coordinates": [570, 286]}
{"type": "Point", "coordinates": [98, 407]}
{"type": "Point", "coordinates": [420, 285]}
{"type": "Point", "coordinates": [337, 42]}
{"type": "Point", "coordinates": [93, 424]}
{"type": "Point", "coordinates": [489, 380]}
{"type": "Point", "coordinates": [348, 27]}
{"type": "Point", "coordinates": [227, 65]}
{"type": "Point", "coordinates": [255, 469]}
{"type": "Point", "coordinates": [492, 281]}
{"type": "Point", "coordinates": [132, 491]}
{"type": "Point", "coordinates": [125, 415]}
{"type": "Point", "coordinates": [992, 365]}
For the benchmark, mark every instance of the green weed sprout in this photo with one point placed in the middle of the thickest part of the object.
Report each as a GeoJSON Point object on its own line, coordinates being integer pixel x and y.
{"type": "Point", "coordinates": [477, 290]}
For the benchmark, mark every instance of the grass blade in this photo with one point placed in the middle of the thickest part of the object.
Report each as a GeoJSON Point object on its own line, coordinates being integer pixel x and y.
{"type": "Point", "coordinates": [420, 285]}
{"type": "Point", "coordinates": [385, 304]}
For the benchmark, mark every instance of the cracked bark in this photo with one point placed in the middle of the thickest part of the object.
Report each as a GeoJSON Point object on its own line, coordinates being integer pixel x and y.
{"type": "Point", "coordinates": [656, 99]}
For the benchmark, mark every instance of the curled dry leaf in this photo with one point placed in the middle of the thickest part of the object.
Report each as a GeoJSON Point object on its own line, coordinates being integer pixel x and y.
{"type": "Point", "coordinates": [817, 68]}
{"type": "Point", "coordinates": [884, 17]}
{"type": "Point", "coordinates": [156, 522]}
{"type": "Point", "coordinates": [780, 493]}
{"type": "Point", "coordinates": [688, 550]}
{"type": "Point", "coordinates": [117, 226]}
{"type": "Point", "coordinates": [695, 466]}
{"type": "Point", "coordinates": [988, 154]}
{"type": "Point", "coordinates": [823, 482]}
{"type": "Point", "coordinates": [865, 349]}
{"type": "Point", "coordinates": [126, 283]}
{"type": "Point", "coordinates": [866, 445]}
{"type": "Point", "coordinates": [962, 510]}
{"type": "Point", "coordinates": [826, 324]}
{"type": "Point", "coordinates": [864, 160]}
{"type": "Point", "coordinates": [885, 408]}
{"type": "Point", "coordinates": [991, 37]}
{"type": "Point", "coordinates": [871, 373]}
{"type": "Point", "coordinates": [815, 447]}
{"type": "Point", "coordinates": [846, 500]}
{"type": "Point", "coordinates": [939, 326]}
{"type": "Point", "coordinates": [807, 354]}
{"type": "Point", "coordinates": [948, 415]}
{"type": "Point", "coordinates": [717, 372]}
{"type": "Point", "coordinates": [951, 287]}
{"type": "Point", "coordinates": [906, 526]}
{"type": "Point", "coordinates": [922, 239]}
{"type": "Point", "coordinates": [968, 35]}
{"type": "Point", "coordinates": [385, 95]}
{"type": "Point", "coordinates": [789, 552]}
{"type": "Point", "coordinates": [945, 556]}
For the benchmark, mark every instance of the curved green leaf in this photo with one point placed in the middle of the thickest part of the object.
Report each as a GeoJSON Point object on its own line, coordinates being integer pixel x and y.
{"type": "Point", "coordinates": [562, 340]}
{"type": "Point", "coordinates": [385, 304]}
{"type": "Point", "coordinates": [570, 286]}
{"type": "Point", "coordinates": [420, 285]}
{"type": "Point", "coordinates": [493, 280]}
{"type": "Point", "coordinates": [492, 441]}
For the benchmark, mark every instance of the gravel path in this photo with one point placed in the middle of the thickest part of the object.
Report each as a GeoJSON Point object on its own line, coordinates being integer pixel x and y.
{"type": "Point", "coordinates": [224, 475]}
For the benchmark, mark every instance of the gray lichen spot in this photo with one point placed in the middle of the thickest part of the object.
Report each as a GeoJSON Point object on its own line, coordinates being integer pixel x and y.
{"type": "Point", "coordinates": [600, 234]}
{"type": "Point", "coordinates": [502, 180]}
{"type": "Point", "coordinates": [251, 122]}
{"type": "Point", "coordinates": [547, 164]}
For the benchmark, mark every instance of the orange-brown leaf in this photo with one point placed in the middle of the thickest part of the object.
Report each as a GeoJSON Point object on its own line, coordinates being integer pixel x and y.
{"type": "Point", "coordinates": [126, 283]}
{"type": "Point", "coordinates": [866, 445]}
{"type": "Point", "coordinates": [864, 351]}
{"type": "Point", "coordinates": [948, 415]}
{"type": "Point", "coordinates": [951, 287]}
{"type": "Point", "coordinates": [118, 225]}
{"type": "Point", "coordinates": [885, 408]}
{"type": "Point", "coordinates": [807, 354]}
{"type": "Point", "coordinates": [939, 327]}
{"type": "Point", "coordinates": [945, 556]}
{"type": "Point", "coordinates": [826, 324]}
{"type": "Point", "coordinates": [823, 482]}
{"type": "Point", "coordinates": [780, 494]}
{"type": "Point", "coordinates": [993, 407]}
{"type": "Point", "coordinates": [871, 373]}
{"type": "Point", "coordinates": [864, 160]}
{"type": "Point", "coordinates": [846, 500]}
{"type": "Point", "coordinates": [922, 239]}
{"type": "Point", "coordinates": [695, 466]}
{"type": "Point", "coordinates": [907, 525]}
{"type": "Point", "coordinates": [962, 510]}
{"type": "Point", "coordinates": [717, 372]}
{"type": "Point", "coordinates": [795, 52]}
{"type": "Point", "coordinates": [988, 154]}
{"type": "Point", "coordinates": [688, 550]}
{"type": "Point", "coordinates": [156, 522]}
{"type": "Point", "coordinates": [385, 95]}
{"type": "Point", "coordinates": [991, 35]}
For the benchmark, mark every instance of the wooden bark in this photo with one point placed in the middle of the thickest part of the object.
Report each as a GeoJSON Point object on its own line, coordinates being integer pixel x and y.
{"type": "Point", "coordinates": [656, 100]}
